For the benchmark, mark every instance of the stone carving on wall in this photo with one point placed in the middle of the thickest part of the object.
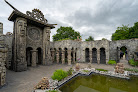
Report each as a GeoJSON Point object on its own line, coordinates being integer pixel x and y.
{"type": "Point", "coordinates": [34, 33]}
{"type": "Point", "coordinates": [23, 26]}
{"type": "Point", "coordinates": [37, 14]}
{"type": "Point", "coordinates": [20, 44]}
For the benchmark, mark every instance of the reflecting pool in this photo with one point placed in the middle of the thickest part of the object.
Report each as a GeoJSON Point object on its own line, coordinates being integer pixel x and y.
{"type": "Point", "coordinates": [101, 83]}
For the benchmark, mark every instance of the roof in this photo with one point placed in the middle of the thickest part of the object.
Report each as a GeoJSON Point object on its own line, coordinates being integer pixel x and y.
{"type": "Point", "coordinates": [31, 20]}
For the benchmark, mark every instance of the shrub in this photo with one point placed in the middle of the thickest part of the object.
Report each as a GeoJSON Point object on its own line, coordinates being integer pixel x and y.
{"type": "Point", "coordinates": [128, 69]}
{"type": "Point", "coordinates": [59, 74]}
{"type": "Point", "coordinates": [86, 71]}
{"type": "Point", "coordinates": [112, 62]}
{"type": "Point", "coordinates": [133, 63]}
{"type": "Point", "coordinates": [52, 91]}
{"type": "Point", "coordinates": [102, 70]}
{"type": "Point", "coordinates": [70, 71]}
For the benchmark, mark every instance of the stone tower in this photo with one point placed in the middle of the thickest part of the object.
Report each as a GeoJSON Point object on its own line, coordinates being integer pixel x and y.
{"type": "Point", "coordinates": [1, 28]}
{"type": "Point", "coordinates": [31, 39]}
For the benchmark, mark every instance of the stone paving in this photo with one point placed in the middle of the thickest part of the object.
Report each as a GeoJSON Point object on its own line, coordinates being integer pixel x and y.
{"type": "Point", "coordinates": [25, 81]}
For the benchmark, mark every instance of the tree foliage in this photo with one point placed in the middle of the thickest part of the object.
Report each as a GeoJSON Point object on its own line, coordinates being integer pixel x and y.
{"type": "Point", "coordinates": [90, 39]}
{"type": "Point", "coordinates": [125, 32]}
{"type": "Point", "coordinates": [104, 39]}
{"type": "Point", "coordinates": [65, 33]}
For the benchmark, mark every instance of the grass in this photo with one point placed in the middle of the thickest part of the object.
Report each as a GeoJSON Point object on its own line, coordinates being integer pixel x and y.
{"type": "Point", "coordinates": [52, 91]}
{"type": "Point", "coordinates": [133, 63]}
{"type": "Point", "coordinates": [133, 70]}
{"type": "Point", "coordinates": [102, 70]}
{"type": "Point", "coordinates": [112, 62]}
{"type": "Point", "coordinates": [86, 71]}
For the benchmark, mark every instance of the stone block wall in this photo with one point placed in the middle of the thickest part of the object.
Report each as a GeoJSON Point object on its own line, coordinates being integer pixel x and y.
{"type": "Point", "coordinates": [130, 44]}
{"type": "Point", "coordinates": [3, 55]}
{"type": "Point", "coordinates": [80, 46]}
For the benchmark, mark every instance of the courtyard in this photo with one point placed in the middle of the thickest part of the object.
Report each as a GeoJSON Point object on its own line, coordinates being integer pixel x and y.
{"type": "Point", "coordinates": [26, 80]}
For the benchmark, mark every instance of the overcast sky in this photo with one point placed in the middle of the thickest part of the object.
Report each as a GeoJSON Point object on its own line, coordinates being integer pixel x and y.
{"type": "Point", "coordinates": [97, 18]}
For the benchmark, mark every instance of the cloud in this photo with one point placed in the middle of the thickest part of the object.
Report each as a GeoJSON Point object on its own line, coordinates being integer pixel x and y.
{"type": "Point", "coordinates": [97, 18]}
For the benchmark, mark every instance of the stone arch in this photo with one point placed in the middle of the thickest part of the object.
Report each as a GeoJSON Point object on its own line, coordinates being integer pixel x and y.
{"type": "Point", "coordinates": [60, 55]}
{"type": "Point", "coordinates": [29, 56]}
{"type": "Point", "coordinates": [87, 55]}
{"type": "Point", "coordinates": [94, 55]}
{"type": "Point", "coordinates": [76, 54]}
{"type": "Point", "coordinates": [66, 55]}
{"type": "Point", "coordinates": [123, 52]}
{"type": "Point", "coordinates": [39, 55]}
{"type": "Point", "coordinates": [102, 56]}
{"type": "Point", "coordinates": [72, 52]}
{"type": "Point", "coordinates": [55, 55]}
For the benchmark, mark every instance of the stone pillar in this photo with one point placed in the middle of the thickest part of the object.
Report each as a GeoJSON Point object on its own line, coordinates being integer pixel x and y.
{"type": "Point", "coordinates": [3, 56]}
{"type": "Point", "coordinates": [52, 53]}
{"type": "Point", "coordinates": [73, 56]}
{"type": "Point", "coordinates": [107, 56]}
{"type": "Point", "coordinates": [90, 55]}
{"type": "Point", "coordinates": [34, 59]}
{"type": "Point", "coordinates": [57, 56]}
{"type": "Point", "coordinates": [63, 57]}
{"type": "Point", "coordinates": [1, 28]}
{"type": "Point", "coordinates": [98, 56]}
{"type": "Point", "coordinates": [69, 57]}
{"type": "Point", "coordinates": [47, 60]}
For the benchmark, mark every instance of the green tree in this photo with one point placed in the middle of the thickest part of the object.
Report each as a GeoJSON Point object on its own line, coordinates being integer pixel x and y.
{"type": "Point", "coordinates": [133, 31]}
{"type": "Point", "coordinates": [90, 39]}
{"type": "Point", "coordinates": [104, 39]}
{"type": "Point", "coordinates": [121, 33]}
{"type": "Point", "coordinates": [125, 32]}
{"type": "Point", "coordinates": [65, 33]}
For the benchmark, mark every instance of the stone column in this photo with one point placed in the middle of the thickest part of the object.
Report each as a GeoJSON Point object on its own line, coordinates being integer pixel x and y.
{"type": "Point", "coordinates": [69, 57]}
{"type": "Point", "coordinates": [34, 53]}
{"type": "Point", "coordinates": [107, 56]}
{"type": "Point", "coordinates": [52, 53]}
{"type": "Point", "coordinates": [73, 56]}
{"type": "Point", "coordinates": [63, 57]}
{"type": "Point", "coordinates": [3, 56]}
{"type": "Point", "coordinates": [90, 56]}
{"type": "Point", "coordinates": [57, 56]}
{"type": "Point", "coordinates": [98, 56]}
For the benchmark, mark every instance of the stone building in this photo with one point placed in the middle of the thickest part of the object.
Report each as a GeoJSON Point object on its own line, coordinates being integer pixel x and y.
{"type": "Point", "coordinates": [99, 51]}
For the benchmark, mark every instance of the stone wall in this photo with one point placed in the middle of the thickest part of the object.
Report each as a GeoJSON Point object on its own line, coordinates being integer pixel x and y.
{"type": "Point", "coordinates": [131, 45]}
{"type": "Point", "coordinates": [3, 56]}
{"type": "Point", "coordinates": [3, 52]}
{"type": "Point", "coordinates": [79, 47]}
{"type": "Point", "coordinates": [112, 49]}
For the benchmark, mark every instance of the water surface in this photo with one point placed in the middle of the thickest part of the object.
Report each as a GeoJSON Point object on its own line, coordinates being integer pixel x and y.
{"type": "Point", "coordinates": [101, 83]}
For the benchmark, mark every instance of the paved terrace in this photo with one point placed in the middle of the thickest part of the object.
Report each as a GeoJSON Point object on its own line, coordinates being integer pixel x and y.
{"type": "Point", "coordinates": [25, 81]}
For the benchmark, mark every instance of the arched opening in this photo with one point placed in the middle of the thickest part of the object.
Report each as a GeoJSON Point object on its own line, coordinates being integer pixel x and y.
{"type": "Point", "coordinates": [102, 56]}
{"type": "Point", "coordinates": [55, 55]}
{"type": "Point", "coordinates": [76, 55]}
{"type": "Point", "coordinates": [94, 55]}
{"type": "Point", "coordinates": [123, 53]}
{"type": "Point", "coordinates": [87, 55]}
{"type": "Point", "coordinates": [60, 55]}
{"type": "Point", "coordinates": [39, 55]}
{"type": "Point", "coordinates": [66, 55]}
{"type": "Point", "coordinates": [29, 56]}
{"type": "Point", "coordinates": [72, 51]}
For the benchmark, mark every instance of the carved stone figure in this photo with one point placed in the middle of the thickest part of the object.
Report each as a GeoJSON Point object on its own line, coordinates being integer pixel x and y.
{"type": "Point", "coordinates": [37, 14]}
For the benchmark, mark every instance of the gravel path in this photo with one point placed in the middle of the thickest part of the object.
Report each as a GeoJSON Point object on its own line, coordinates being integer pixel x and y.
{"type": "Point", "coordinates": [26, 80]}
